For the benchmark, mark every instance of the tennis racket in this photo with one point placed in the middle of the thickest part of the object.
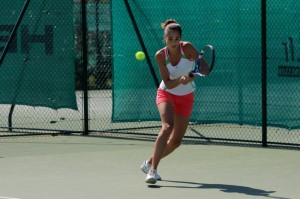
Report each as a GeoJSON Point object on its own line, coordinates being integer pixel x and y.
{"type": "Point", "coordinates": [205, 63]}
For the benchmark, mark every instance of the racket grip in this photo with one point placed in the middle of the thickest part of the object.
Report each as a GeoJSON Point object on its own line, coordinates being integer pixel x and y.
{"type": "Point", "coordinates": [191, 74]}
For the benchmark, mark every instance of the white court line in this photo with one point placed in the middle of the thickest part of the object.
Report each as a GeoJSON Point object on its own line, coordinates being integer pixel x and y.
{"type": "Point", "coordinates": [1, 197]}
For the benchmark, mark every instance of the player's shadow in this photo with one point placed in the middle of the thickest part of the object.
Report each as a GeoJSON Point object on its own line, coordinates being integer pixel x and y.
{"type": "Point", "coordinates": [222, 187]}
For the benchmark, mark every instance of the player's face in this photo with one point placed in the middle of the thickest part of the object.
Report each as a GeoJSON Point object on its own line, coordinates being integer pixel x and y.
{"type": "Point", "coordinates": [172, 39]}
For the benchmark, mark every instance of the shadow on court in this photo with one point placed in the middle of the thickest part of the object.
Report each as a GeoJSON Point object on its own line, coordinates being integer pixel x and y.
{"type": "Point", "coordinates": [226, 188]}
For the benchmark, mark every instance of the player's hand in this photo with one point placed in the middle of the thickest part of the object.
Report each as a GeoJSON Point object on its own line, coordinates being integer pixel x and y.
{"type": "Point", "coordinates": [185, 80]}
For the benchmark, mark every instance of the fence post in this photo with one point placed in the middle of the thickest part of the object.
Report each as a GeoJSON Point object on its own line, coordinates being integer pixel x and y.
{"type": "Point", "coordinates": [85, 72]}
{"type": "Point", "coordinates": [264, 70]}
{"type": "Point", "coordinates": [139, 36]}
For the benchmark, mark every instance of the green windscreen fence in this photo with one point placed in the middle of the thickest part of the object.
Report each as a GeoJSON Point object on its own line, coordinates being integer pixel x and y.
{"type": "Point", "coordinates": [38, 69]}
{"type": "Point", "coordinates": [233, 91]}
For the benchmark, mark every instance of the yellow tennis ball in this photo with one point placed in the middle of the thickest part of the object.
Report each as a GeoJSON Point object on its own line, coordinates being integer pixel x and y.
{"type": "Point", "coordinates": [140, 55]}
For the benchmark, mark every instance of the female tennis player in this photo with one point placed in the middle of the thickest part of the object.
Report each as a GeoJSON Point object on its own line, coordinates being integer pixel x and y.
{"type": "Point", "coordinates": [175, 95]}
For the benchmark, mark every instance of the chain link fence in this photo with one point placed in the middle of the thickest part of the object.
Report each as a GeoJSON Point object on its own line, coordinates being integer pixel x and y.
{"type": "Point", "coordinates": [43, 76]}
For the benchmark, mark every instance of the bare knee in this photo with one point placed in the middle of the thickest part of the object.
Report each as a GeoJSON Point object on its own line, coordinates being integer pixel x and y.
{"type": "Point", "coordinates": [167, 127]}
{"type": "Point", "coordinates": [174, 143]}
{"type": "Point", "coordinates": [166, 130]}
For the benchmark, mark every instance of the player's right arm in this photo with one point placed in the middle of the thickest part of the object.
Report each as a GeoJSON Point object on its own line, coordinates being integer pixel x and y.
{"type": "Point", "coordinates": [164, 73]}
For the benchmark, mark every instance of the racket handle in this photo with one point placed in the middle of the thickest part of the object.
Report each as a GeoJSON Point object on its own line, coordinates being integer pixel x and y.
{"type": "Point", "coordinates": [198, 61]}
{"type": "Point", "coordinates": [191, 74]}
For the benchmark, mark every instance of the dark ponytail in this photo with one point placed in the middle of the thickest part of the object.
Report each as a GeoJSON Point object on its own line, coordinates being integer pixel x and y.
{"type": "Point", "coordinates": [171, 24]}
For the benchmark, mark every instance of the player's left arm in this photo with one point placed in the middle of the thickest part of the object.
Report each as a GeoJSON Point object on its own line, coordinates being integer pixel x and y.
{"type": "Point", "coordinates": [193, 54]}
{"type": "Point", "coordinates": [190, 51]}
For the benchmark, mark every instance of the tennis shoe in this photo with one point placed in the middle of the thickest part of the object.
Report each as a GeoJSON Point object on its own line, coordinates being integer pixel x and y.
{"type": "Point", "coordinates": [151, 176]}
{"type": "Point", "coordinates": [145, 167]}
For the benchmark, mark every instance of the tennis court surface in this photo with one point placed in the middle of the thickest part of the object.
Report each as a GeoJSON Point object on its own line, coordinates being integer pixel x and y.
{"type": "Point", "coordinates": [76, 167]}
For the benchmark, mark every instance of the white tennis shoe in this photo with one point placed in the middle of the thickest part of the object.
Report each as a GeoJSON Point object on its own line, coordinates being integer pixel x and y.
{"type": "Point", "coordinates": [145, 167]}
{"type": "Point", "coordinates": [151, 176]}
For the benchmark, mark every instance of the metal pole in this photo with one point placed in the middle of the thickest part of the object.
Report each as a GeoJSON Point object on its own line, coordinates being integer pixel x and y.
{"type": "Point", "coordinates": [264, 70]}
{"type": "Point", "coordinates": [85, 72]}
{"type": "Point", "coordinates": [137, 31]}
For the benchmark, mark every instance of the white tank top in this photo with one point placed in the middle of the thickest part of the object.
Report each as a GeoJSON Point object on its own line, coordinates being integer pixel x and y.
{"type": "Point", "coordinates": [183, 68]}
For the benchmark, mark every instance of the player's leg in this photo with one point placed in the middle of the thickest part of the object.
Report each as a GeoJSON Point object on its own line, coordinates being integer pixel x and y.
{"type": "Point", "coordinates": [167, 119]}
{"type": "Point", "coordinates": [182, 108]}
{"type": "Point", "coordinates": [175, 139]}
{"type": "Point", "coordinates": [180, 126]}
{"type": "Point", "coordinates": [164, 101]}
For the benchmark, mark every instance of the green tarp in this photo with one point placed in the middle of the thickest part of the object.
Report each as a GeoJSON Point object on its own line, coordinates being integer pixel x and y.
{"type": "Point", "coordinates": [232, 93]}
{"type": "Point", "coordinates": [38, 69]}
